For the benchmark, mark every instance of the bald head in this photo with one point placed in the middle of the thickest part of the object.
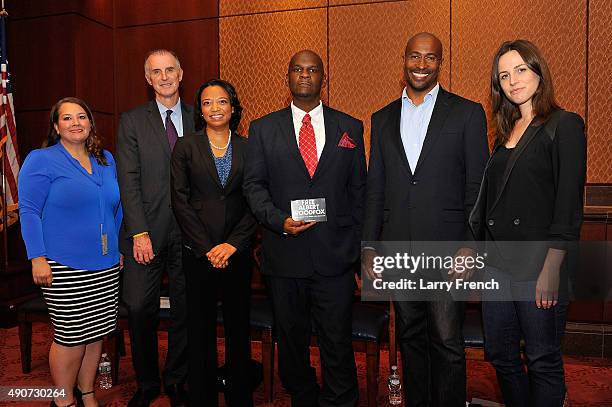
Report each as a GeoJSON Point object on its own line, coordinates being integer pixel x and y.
{"type": "Point", "coordinates": [305, 78]}
{"type": "Point", "coordinates": [424, 38]}
{"type": "Point", "coordinates": [306, 54]}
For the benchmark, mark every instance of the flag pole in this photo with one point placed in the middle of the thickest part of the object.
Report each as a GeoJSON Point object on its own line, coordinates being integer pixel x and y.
{"type": "Point", "coordinates": [4, 211]}
{"type": "Point", "coordinates": [4, 13]}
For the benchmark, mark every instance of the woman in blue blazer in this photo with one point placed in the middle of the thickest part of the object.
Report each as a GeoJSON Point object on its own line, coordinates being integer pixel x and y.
{"type": "Point", "coordinates": [70, 215]}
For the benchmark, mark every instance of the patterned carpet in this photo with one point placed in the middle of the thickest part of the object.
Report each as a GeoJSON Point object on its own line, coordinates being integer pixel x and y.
{"type": "Point", "coordinates": [589, 380]}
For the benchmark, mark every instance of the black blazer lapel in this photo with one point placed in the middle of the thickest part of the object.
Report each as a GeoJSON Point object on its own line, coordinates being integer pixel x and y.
{"type": "Point", "coordinates": [438, 117]}
{"type": "Point", "coordinates": [156, 123]}
{"type": "Point", "coordinates": [236, 162]}
{"type": "Point", "coordinates": [332, 137]}
{"type": "Point", "coordinates": [288, 134]}
{"type": "Point", "coordinates": [529, 135]}
{"type": "Point", "coordinates": [392, 127]}
{"type": "Point", "coordinates": [207, 157]}
{"type": "Point", "coordinates": [188, 124]}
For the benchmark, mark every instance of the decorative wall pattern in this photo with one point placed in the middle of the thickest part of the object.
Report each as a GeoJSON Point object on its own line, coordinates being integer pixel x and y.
{"type": "Point", "coordinates": [366, 46]}
{"type": "Point", "coordinates": [600, 98]}
{"type": "Point", "coordinates": [362, 42]}
{"type": "Point", "coordinates": [233, 7]}
{"type": "Point", "coordinates": [558, 29]}
{"type": "Point", "coordinates": [255, 52]}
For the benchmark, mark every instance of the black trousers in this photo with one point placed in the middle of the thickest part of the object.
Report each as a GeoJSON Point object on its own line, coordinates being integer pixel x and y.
{"type": "Point", "coordinates": [204, 283]}
{"type": "Point", "coordinates": [140, 292]}
{"type": "Point", "coordinates": [430, 337]}
{"type": "Point", "coordinates": [326, 302]}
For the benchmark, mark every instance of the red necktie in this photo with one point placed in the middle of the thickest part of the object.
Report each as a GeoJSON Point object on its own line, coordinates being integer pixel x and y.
{"type": "Point", "coordinates": [308, 145]}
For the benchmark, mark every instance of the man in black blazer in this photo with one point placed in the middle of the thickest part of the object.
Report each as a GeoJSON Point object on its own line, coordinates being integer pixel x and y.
{"type": "Point", "coordinates": [309, 266]}
{"type": "Point", "coordinates": [150, 238]}
{"type": "Point", "coordinates": [428, 153]}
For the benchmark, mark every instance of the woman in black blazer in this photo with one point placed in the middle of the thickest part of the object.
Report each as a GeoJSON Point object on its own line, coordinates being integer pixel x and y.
{"type": "Point", "coordinates": [529, 210]}
{"type": "Point", "coordinates": [218, 230]}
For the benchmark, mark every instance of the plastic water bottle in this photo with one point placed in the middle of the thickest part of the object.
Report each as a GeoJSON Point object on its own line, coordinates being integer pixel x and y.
{"type": "Point", "coordinates": [395, 387]}
{"type": "Point", "coordinates": [105, 379]}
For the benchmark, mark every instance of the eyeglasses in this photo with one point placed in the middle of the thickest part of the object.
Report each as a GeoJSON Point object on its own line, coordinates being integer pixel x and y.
{"type": "Point", "coordinates": [430, 59]}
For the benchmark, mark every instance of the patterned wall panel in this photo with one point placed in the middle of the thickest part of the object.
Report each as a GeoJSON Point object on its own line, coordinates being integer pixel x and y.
{"type": "Point", "coordinates": [557, 28]}
{"type": "Point", "coordinates": [346, 2]}
{"type": "Point", "coordinates": [366, 45]}
{"type": "Point", "coordinates": [600, 98]}
{"type": "Point", "coordinates": [234, 7]}
{"type": "Point", "coordinates": [254, 53]}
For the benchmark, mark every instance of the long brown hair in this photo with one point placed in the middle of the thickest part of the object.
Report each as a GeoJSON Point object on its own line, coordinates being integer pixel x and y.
{"type": "Point", "coordinates": [505, 112]}
{"type": "Point", "coordinates": [93, 144]}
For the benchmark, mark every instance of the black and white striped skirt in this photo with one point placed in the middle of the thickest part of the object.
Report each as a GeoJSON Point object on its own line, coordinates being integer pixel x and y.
{"type": "Point", "coordinates": [83, 304]}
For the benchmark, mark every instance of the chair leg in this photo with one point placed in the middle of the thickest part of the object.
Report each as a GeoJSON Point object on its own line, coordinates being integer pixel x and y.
{"type": "Point", "coordinates": [25, 345]}
{"type": "Point", "coordinates": [392, 338]}
{"type": "Point", "coordinates": [372, 367]}
{"type": "Point", "coordinates": [267, 359]}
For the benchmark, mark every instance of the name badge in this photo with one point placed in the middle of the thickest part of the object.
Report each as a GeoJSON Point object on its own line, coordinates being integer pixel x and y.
{"type": "Point", "coordinates": [104, 242]}
{"type": "Point", "coordinates": [309, 210]}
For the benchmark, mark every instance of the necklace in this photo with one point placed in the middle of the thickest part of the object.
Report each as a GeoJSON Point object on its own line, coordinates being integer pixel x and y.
{"type": "Point", "coordinates": [229, 137]}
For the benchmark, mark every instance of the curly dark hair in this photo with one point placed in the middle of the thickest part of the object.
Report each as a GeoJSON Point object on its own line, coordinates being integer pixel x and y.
{"type": "Point", "coordinates": [93, 144]}
{"type": "Point", "coordinates": [198, 119]}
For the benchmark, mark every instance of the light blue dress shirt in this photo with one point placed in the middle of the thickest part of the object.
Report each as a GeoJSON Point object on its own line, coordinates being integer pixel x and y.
{"type": "Point", "coordinates": [176, 116]}
{"type": "Point", "coordinates": [414, 123]}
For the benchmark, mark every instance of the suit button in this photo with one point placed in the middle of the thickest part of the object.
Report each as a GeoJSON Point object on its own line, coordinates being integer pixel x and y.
{"type": "Point", "coordinates": [517, 221]}
{"type": "Point", "coordinates": [415, 182]}
{"type": "Point", "coordinates": [491, 222]}
{"type": "Point", "coordinates": [222, 197]}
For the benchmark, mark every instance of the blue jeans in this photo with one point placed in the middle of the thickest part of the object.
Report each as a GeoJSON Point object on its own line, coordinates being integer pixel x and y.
{"type": "Point", "coordinates": [505, 324]}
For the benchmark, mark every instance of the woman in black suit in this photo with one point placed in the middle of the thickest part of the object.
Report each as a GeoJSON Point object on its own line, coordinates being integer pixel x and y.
{"type": "Point", "coordinates": [529, 210]}
{"type": "Point", "coordinates": [218, 230]}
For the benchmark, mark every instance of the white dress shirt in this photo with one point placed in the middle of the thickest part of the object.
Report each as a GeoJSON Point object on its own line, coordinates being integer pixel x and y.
{"type": "Point", "coordinates": [414, 123]}
{"type": "Point", "coordinates": [318, 124]}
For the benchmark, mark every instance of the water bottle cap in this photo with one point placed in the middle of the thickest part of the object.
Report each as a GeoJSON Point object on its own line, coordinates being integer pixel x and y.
{"type": "Point", "coordinates": [393, 367]}
{"type": "Point", "coordinates": [104, 355]}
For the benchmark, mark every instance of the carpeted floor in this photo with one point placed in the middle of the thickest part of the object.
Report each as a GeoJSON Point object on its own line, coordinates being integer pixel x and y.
{"type": "Point", "coordinates": [589, 380]}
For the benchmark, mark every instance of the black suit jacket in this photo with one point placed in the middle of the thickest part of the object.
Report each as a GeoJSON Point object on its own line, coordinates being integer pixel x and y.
{"type": "Point", "coordinates": [143, 169]}
{"type": "Point", "coordinates": [276, 174]}
{"type": "Point", "coordinates": [207, 212]}
{"type": "Point", "coordinates": [432, 204]}
{"type": "Point", "coordinates": [540, 198]}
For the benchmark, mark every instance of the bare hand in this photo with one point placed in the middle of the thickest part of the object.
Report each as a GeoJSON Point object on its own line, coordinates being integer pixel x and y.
{"type": "Point", "coordinates": [121, 259]}
{"type": "Point", "coordinates": [220, 254]}
{"type": "Point", "coordinates": [41, 272]}
{"type": "Point", "coordinates": [143, 249]}
{"type": "Point", "coordinates": [367, 263]}
{"type": "Point", "coordinates": [547, 288]}
{"type": "Point", "coordinates": [295, 227]}
{"type": "Point", "coordinates": [466, 269]}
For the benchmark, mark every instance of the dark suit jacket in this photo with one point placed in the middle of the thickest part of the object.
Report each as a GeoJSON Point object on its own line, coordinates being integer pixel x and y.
{"type": "Point", "coordinates": [276, 174]}
{"type": "Point", "coordinates": [208, 213]}
{"type": "Point", "coordinates": [434, 202]}
{"type": "Point", "coordinates": [143, 169]}
{"type": "Point", "coordinates": [541, 198]}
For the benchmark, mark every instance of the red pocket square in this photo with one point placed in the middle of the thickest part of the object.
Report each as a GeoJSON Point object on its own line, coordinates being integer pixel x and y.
{"type": "Point", "coordinates": [346, 141]}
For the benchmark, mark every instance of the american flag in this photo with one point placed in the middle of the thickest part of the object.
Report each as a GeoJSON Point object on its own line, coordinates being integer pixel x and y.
{"type": "Point", "coordinates": [8, 133]}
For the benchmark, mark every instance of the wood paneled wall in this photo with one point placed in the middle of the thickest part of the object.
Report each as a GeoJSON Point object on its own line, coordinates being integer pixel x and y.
{"type": "Point", "coordinates": [95, 49]}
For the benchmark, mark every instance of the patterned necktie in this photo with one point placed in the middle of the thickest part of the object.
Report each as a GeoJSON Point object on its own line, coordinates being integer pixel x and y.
{"type": "Point", "coordinates": [308, 145]}
{"type": "Point", "coordinates": [171, 130]}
